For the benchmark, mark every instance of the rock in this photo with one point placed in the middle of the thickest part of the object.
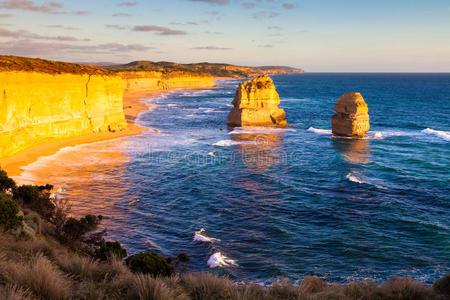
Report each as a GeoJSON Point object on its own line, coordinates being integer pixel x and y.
{"type": "Point", "coordinates": [256, 104]}
{"type": "Point", "coordinates": [352, 117]}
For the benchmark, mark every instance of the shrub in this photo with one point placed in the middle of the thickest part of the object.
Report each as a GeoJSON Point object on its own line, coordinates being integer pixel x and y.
{"type": "Point", "coordinates": [8, 213]}
{"type": "Point", "coordinates": [75, 229]}
{"type": "Point", "coordinates": [442, 285]}
{"type": "Point", "coordinates": [6, 183]}
{"type": "Point", "coordinates": [109, 249]}
{"type": "Point", "coordinates": [149, 263]}
{"type": "Point", "coordinates": [36, 198]}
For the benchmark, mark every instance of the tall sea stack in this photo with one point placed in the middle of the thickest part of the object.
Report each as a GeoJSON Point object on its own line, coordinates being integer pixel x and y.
{"type": "Point", "coordinates": [256, 104]}
{"type": "Point", "coordinates": [352, 117]}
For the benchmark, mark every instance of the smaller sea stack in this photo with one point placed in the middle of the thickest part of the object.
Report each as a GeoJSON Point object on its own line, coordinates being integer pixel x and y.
{"type": "Point", "coordinates": [352, 116]}
{"type": "Point", "coordinates": [256, 104]}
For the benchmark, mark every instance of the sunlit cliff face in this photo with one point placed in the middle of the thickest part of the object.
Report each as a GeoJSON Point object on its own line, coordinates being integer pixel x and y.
{"type": "Point", "coordinates": [36, 107]}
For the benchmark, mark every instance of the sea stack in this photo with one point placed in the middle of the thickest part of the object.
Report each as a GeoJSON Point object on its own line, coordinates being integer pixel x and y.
{"type": "Point", "coordinates": [256, 104]}
{"type": "Point", "coordinates": [352, 116]}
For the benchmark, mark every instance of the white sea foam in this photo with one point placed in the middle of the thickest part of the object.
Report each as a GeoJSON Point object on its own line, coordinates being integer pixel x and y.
{"type": "Point", "coordinates": [220, 260]}
{"type": "Point", "coordinates": [353, 178]}
{"type": "Point", "coordinates": [228, 143]}
{"type": "Point", "coordinates": [200, 236]}
{"type": "Point", "coordinates": [445, 135]}
{"type": "Point", "coordinates": [212, 153]}
{"type": "Point", "coordinates": [320, 131]}
{"type": "Point", "coordinates": [172, 105]}
{"type": "Point", "coordinates": [258, 130]}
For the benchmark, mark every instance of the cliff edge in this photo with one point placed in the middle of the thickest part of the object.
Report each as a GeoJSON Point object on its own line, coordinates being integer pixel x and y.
{"type": "Point", "coordinates": [256, 104]}
{"type": "Point", "coordinates": [42, 100]}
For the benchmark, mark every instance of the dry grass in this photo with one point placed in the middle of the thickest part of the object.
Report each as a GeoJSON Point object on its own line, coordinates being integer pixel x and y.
{"type": "Point", "coordinates": [43, 269]}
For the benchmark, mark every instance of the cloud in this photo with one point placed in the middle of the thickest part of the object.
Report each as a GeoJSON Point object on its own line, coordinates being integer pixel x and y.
{"type": "Point", "coordinates": [30, 48]}
{"type": "Point", "coordinates": [265, 46]}
{"type": "Point", "coordinates": [179, 24]}
{"type": "Point", "coordinates": [249, 5]}
{"type": "Point", "coordinates": [29, 5]}
{"type": "Point", "coordinates": [210, 48]}
{"type": "Point", "coordinates": [117, 27]}
{"type": "Point", "coordinates": [212, 12]}
{"type": "Point", "coordinates": [159, 30]}
{"type": "Point", "coordinates": [273, 28]}
{"type": "Point", "coordinates": [265, 15]}
{"type": "Point", "coordinates": [288, 5]}
{"type": "Point", "coordinates": [62, 27]}
{"type": "Point", "coordinates": [213, 32]}
{"type": "Point", "coordinates": [127, 3]}
{"type": "Point", "coordinates": [121, 15]}
{"type": "Point", "coordinates": [25, 34]}
{"type": "Point", "coordinates": [219, 2]}
{"type": "Point", "coordinates": [6, 15]}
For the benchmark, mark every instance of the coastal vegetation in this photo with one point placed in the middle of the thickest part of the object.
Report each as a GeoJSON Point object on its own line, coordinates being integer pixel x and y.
{"type": "Point", "coordinates": [212, 69]}
{"type": "Point", "coordinates": [47, 254]}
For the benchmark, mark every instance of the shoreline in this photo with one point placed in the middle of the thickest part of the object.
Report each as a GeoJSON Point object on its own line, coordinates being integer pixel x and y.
{"type": "Point", "coordinates": [132, 106]}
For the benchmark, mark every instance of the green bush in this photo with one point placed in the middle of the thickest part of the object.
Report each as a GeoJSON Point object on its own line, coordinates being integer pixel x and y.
{"type": "Point", "coordinates": [442, 285]}
{"type": "Point", "coordinates": [8, 213]}
{"type": "Point", "coordinates": [109, 249]}
{"type": "Point", "coordinates": [149, 263]}
{"type": "Point", "coordinates": [6, 183]}
{"type": "Point", "coordinates": [36, 198]}
{"type": "Point", "coordinates": [74, 229]}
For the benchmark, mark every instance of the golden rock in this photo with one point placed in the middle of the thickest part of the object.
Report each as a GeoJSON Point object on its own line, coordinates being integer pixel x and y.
{"type": "Point", "coordinates": [256, 104]}
{"type": "Point", "coordinates": [352, 117]}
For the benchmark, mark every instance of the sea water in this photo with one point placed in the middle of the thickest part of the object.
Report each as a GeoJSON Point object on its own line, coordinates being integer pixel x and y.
{"type": "Point", "coordinates": [260, 203]}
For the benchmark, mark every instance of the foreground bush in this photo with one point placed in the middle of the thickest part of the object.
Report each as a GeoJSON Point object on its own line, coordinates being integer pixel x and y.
{"type": "Point", "coordinates": [110, 249]}
{"type": "Point", "coordinates": [6, 184]}
{"type": "Point", "coordinates": [36, 198]}
{"type": "Point", "coordinates": [442, 285]}
{"type": "Point", "coordinates": [149, 263]}
{"type": "Point", "coordinates": [8, 213]}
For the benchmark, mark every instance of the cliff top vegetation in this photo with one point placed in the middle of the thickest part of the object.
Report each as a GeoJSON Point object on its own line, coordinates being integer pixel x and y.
{"type": "Point", "coordinates": [18, 63]}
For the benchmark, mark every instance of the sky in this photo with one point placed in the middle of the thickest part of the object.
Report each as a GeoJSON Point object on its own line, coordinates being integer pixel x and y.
{"type": "Point", "coordinates": [316, 35]}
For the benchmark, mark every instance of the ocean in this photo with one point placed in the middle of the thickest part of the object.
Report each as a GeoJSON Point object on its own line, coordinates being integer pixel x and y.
{"type": "Point", "coordinates": [257, 204]}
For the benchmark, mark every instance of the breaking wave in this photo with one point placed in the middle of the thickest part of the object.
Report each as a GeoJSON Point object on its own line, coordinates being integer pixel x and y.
{"type": "Point", "coordinates": [228, 143]}
{"type": "Point", "coordinates": [445, 135]}
{"type": "Point", "coordinates": [320, 131]}
{"type": "Point", "coordinates": [220, 260]}
{"type": "Point", "coordinates": [200, 236]}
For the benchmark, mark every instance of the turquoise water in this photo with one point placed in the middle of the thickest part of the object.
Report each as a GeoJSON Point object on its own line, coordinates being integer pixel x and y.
{"type": "Point", "coordinates": [291, 202]}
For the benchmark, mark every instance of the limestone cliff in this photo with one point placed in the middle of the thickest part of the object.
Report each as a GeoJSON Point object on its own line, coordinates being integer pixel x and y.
{"type": "Point", "coordinates": [142, 81]}
{"type": "Point", "coordinates": [352, 117]}
{"type": "Point", "coordinates": [37, 106]}
{"type": "Point", "coordinates": [256, 104]}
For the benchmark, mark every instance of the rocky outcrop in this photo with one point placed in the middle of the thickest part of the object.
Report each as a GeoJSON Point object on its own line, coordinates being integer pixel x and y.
{"type": "Point", "coordinates": [256, 104]}
{"type": "Point", "coordinates": [150, 81]}
{"type": "Point", "coordinates": [352, 117]}
{"type": "Point", "coordinates": [38, 106]}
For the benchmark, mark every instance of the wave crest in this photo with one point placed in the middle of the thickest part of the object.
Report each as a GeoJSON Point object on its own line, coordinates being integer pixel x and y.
{"type": "Point", "coordinates": [219, 260]}
{"type": "Point", "coordinates": [200, 236]}
{"type": "Point", "coordinates": [445, 135]}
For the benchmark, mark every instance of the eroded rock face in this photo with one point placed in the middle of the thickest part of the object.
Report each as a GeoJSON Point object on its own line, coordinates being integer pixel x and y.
{"type": "Point", "coordinates": [256, 104]}
{"type": "Point", "coordinates": [352, 117]}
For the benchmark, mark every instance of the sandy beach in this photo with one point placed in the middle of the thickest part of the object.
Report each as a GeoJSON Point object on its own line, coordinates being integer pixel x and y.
{"type": "Point", "coordinates": [132, 107]}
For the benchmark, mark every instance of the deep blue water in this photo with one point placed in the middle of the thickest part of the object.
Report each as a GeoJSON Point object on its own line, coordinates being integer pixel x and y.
{"type": "Point", "coordinates": [291, 202]}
